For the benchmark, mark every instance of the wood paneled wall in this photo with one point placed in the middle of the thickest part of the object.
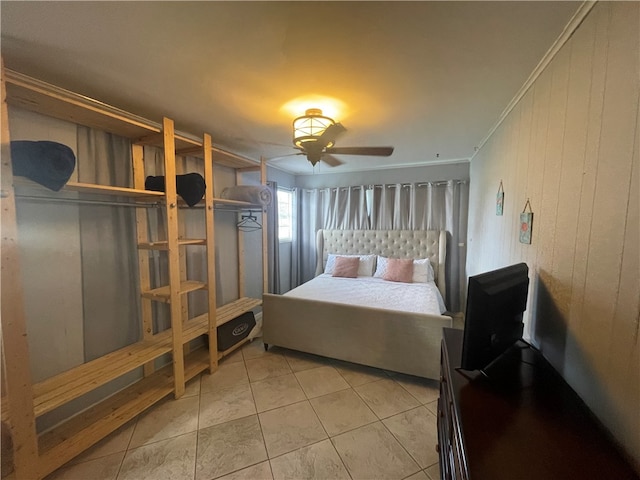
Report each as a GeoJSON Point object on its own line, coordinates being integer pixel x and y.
{"type": "Point", "coordinates": [571, 146]}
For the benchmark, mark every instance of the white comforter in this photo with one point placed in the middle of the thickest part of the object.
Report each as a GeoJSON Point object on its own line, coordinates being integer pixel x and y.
{"type": "Point", "coordinates": [373, 292]}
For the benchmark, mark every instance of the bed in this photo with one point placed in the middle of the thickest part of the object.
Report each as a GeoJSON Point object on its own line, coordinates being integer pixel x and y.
{"type": "Point", "coordinates": [383, 337]}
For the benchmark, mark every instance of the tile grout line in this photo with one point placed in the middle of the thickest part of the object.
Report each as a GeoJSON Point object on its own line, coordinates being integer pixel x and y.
{"type": "Point", "coordinates": [127, 448]}
{"type": "Point", "coordinates": [195, 463]}
{"type": "Point", "coordinates": [264, 442]}
{"type": "Point", "coordinates": [288, 361]}
{"type": "Point", "coordinates": [400, 442]}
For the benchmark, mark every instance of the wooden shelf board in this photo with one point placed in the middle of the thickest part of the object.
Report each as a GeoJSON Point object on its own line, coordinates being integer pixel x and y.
{"type": "Point", "coordinates": [23, 184]}
{"type": "Point", "coordinates": [40, 97]}
{"type": "Point", "coordinates": [188, 146]}
{"type": "Point", "coordinates": [232, 349]}
{"type": "Point", "coordinates": [237, 203]}
{"type": "Point", "coordinates": [196, 363]}
{"type": "Point", "coordinates": [192, 241]}
{"type": "Point", "coordinates": [55, 391]}
{"type": "Point", "coordinates": [236, 308]}
{"type": "Point", "coordinates": [163, 245]}
{"type": "Point", "coordinates": [195, 327]}
{"type": "Point", "coordinates": [162, 294]}
{"type": "Point", "coordinates": [231, 160]}
{"type": "Point", "coordinates": [183, 204]}
{"type": "Point", "coordinates": [80, 432]}
{"type": "Point", "coordinates": [183, 141]}
{"type": "Point", "coordinates": [109, 190]}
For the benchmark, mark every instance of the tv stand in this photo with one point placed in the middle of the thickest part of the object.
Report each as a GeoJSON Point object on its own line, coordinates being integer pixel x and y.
{"type": "Point", "coordinates": [509, 359]}
{"type": "Point", "coordinates": [522, 421]}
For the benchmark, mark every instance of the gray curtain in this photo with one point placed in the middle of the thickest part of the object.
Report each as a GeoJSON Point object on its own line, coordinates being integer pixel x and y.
{"type": "Point", "coordinates": [108, 248]}
{"type": "Point", "coordinates": [295, 273]}
{"type": "Point", "coordinates": [344, 208]}
{"type": "Point", "coordinates": [195, 256]}
{"type": "Point", "coordinates": [390, 206]}
{"type": "Point", "coordinates": [445, 206]}
{"type": "Point", "coordinates": [416, 206]}
{"type": "Point", "coordinates": [158, 260]}
{"type": "Point", "coordinates": [273, 243]}
{"type": "Point", "coordinates": [310, 217]}
{"type": "Point", "coordinates": [192, 220]}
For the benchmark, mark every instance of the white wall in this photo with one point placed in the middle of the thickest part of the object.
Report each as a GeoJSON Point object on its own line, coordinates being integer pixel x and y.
{"type": "Point", "coordinates": [571, 145]}
{"type": "Point", "coordinates": [283, 179]}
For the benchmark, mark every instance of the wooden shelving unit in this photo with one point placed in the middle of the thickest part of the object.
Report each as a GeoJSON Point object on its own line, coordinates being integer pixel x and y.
{"type": "Point", "coordinates": [58, 390]}
{"type": "Point", "coordinates": [36, 454]}
{"type": "Point", "coordinates": [163, 294]}
{"type": "Point", "coordinates": [232, 310]}
{"type": "Point", "coordinates": [63, 443]}
{"type": "Point", "coordinates": [163, 245]}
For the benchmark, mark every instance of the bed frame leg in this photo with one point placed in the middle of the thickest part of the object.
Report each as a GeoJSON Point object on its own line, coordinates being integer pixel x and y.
{"type": "Point", "coordinates": [266, 347]}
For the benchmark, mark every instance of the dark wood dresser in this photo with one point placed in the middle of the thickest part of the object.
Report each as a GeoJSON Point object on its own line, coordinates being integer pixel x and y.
{"type": "Point", "coordinates": [523, 422]}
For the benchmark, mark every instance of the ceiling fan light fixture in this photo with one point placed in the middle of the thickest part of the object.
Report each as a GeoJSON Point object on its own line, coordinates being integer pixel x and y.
{"type": "Point", "coordinates": [308, 128]}
{"type": "Point", "coordinates": [314, 158]}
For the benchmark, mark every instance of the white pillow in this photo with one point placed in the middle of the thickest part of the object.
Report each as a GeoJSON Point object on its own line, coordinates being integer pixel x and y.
{"type": "Point", "coordinates": [422, 270]}
{"type": "Point", "coordinates": [381, 267]}
{"type": "Point", "coordinates": [365, 265]}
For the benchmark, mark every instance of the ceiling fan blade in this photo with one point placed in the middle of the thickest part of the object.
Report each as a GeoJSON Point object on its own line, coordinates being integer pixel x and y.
{"type": "Point", "coordinates": [371, 151]}
{"type": "Point", "coordinates": [331, 160]}
{"type": "Point", "coordinates": [330, 134]}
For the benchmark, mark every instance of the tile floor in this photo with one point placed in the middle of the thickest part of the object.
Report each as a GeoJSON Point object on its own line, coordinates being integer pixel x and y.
{"type": "Point", "coordinates": [277, 415]}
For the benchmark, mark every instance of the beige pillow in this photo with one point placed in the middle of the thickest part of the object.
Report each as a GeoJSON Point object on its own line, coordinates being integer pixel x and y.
{"type": "Point", "coordinates": [399, 270]}
{"type": "Point", "coordinates": [346, 267]}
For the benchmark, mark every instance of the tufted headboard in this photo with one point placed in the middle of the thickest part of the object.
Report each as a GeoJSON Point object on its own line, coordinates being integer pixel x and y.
{"type": "Point", "coordinates": [431, 244]}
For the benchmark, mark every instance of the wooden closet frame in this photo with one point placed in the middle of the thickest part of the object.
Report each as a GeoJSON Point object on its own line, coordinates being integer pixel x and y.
{"type": "Point", "coordinates": [35, 455]}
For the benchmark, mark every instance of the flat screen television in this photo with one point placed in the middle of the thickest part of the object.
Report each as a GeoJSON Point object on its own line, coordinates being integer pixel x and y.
{"type": "Point", "coordinates": [496, 302]}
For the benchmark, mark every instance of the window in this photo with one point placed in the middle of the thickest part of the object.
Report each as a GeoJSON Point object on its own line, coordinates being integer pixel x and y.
{"type": "Point", "coordinates": [285, 215]}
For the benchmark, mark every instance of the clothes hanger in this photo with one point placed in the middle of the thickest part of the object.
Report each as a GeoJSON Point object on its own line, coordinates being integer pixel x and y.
{"type": "Point", "coordinates": [249, 223]}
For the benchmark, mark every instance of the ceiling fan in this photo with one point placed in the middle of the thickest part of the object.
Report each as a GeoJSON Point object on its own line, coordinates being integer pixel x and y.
{"type": "Point", "coordinates": [315, 135]}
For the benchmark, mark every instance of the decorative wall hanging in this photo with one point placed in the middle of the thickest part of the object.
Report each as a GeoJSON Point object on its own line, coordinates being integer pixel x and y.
{"type": "Point", "coordinates": [500, 200]}
{"type": "Point", "coordinates": [526, 224]}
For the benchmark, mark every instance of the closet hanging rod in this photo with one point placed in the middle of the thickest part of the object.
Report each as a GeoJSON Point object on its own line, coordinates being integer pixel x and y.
{"type": "Point", "coordinates": [225, 208]}
{"type": "Point", "coordinates": [90, 202]}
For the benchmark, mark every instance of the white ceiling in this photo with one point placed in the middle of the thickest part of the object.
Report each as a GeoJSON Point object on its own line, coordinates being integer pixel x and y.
{"type": "Point", "coordinates": [429, 78]}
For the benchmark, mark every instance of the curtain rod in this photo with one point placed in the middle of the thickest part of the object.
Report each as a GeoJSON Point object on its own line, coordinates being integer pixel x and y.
{"type": "Point", "coordinates": [394, 185]}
